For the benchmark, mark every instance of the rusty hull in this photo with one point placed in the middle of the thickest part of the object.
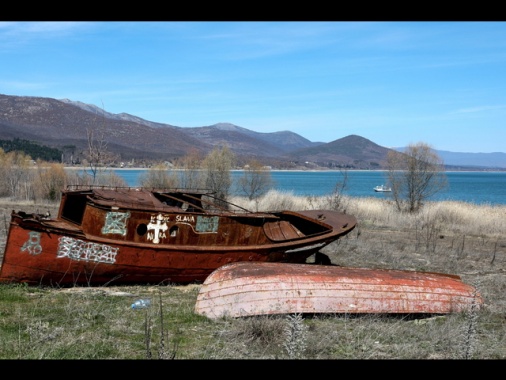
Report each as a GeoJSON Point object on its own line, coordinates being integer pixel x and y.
{"type": "Point", "coordinates": [247, 289]}
{"type": "Point", "coordinates": [122, 236]}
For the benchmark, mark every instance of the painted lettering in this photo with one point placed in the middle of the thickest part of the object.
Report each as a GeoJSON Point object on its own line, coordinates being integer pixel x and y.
{"type": "Point", "coordinates": [80, 250]}
{"type": "Point", "coordinates": [185, 218]}
{"type": "Point", "coordinates": [32, 245]}
{"type": "Point", "coordinates": [207, 224]}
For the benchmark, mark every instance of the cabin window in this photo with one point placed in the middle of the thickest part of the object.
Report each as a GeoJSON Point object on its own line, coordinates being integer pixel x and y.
{"type": "Point", "coordinates": [142, 229]}
{"type": "Point", "coordinates": [183, 201]}
{"type": "Point", "coordinates": [73, 207]}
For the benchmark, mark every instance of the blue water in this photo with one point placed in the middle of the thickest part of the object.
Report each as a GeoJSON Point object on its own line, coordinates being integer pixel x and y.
{"type": "Point", "coordinates": [472, 187]}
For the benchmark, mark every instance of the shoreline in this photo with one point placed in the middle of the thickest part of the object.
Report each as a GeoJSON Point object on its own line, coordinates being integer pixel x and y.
{"type": "Point", "coordinates": [497, 170]}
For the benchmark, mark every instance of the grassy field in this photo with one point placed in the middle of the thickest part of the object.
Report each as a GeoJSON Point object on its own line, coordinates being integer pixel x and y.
{"type": "Point", "coordinates": [447, 237]}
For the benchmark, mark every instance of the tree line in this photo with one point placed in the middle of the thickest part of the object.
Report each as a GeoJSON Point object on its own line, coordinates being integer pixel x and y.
{"type": "Point", "coordinates": [34, 150]}
{"type": "Point", "coordinates": [29, 180]}
{"type": "Point", "coordinates": [414, 175]}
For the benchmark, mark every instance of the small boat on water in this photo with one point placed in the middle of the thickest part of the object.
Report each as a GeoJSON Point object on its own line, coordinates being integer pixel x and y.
{"type": "Point", "coordinates": [382, 189]}
{"type": "Point", "coordinates": [124, 235]}
{"type": "Point", "coordinates": [248, 289]}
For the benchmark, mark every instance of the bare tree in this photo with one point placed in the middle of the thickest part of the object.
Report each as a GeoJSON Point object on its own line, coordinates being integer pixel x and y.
{"type": "Point", "coordinates": [50, 180]}
{"type": "Point", "coordinates": [97, 154]}
{"type": "Point", "coordinates": [192, 176]}
{"type": "Point", "coordinates": [218, 164]}
{"type": "Point", "coordinates": [16, 175]}
{"type": "Point", "coordinates": [415, 175]}
{"type": "Point", "coordinates": [256, 180]}
{"type": "Point", "coordinates": [159, 176]}
{"type": "Point", "coordinates": [335, 199]}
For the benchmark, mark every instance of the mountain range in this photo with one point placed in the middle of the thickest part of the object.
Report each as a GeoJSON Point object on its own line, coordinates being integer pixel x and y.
{"type": "Point", "coordinates": [66, 125]}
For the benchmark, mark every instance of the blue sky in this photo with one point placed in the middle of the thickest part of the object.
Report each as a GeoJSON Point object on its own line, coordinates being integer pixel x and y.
{"type": "Point", "coordinates": [394, 83]}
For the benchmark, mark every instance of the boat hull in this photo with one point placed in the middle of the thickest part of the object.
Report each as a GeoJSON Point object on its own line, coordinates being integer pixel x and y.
{"type": "Point", "coordinates": [37, 254]}
{"type": "Point", "coordinates": [382, 189]}
{"type": "Point", "coordinates": [247, 289]}
{"type": "Point", "coordinates": [109, 235]}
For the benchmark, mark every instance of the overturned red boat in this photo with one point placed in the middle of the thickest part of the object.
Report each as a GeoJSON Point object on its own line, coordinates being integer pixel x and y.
{"type": "Point", "coordinates": [112, 235]}
{"type": "Point", "coordinates": [247, 289]}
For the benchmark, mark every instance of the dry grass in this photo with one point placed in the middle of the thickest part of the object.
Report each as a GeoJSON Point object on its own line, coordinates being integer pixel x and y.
{"type": "Point", "coordinates": [448, 237]}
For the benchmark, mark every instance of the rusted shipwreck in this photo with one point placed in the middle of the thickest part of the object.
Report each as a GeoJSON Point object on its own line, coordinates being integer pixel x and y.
{"type": "Point", "coordinates": [247, 289]}
{"type": "Point", "coordinates": [111, 235]}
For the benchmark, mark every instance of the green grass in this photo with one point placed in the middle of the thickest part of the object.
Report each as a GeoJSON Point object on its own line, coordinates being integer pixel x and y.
{"type": "Point", "coordinates": [99, 323]}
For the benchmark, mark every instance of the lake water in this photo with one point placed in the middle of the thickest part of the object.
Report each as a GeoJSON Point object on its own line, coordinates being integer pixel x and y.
{"type": "Point", "coordinates": [472, 187]}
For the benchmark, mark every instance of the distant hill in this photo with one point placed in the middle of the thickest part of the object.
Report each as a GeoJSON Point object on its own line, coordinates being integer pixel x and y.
{"type": "Point", "coordinates": [56, 124]}
{"type": "Point", "coordinates": [478, 161]}
{"type": "Point", "coordinates": [66, 125]}
{"type": "Point", "coordinates": [284, 141]}
{"type": "Point", "coordinates": [348, 152]}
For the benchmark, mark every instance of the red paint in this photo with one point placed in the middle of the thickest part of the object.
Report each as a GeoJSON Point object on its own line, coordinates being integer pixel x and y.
{"type": "Point", "coordinates": [131, 235]}
{"type": "Point", "coordinates": [246, 289]}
